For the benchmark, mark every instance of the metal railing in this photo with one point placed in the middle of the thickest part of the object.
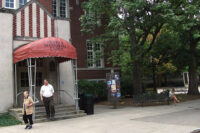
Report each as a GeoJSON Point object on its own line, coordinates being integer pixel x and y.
{"type": "Point", "coordinates": [16, 98]}
{"type": "Point", "coordinates": [21, 92]}
{"type": "Point", "coordinates": [74, 98]}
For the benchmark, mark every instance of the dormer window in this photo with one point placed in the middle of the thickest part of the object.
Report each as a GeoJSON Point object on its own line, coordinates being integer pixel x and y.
{"type": "Point", "coordinates": [9, 3]}
{"type": "Point", "coordinates": [22, 2]}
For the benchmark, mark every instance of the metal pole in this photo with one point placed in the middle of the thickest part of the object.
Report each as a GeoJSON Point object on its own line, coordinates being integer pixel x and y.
{"type": "Point", "coordinates": [16, 101]}
{"type": "Point", "coordinates": [31, 79]}
{"type": "Point", "coordinates": [29, 75]}
{"type": "Point", "coordinates": [76, 89]}
{"type": "Point", "coordinates": [58, 81]}
{"type": "Point", "coordinates": [35, 74]}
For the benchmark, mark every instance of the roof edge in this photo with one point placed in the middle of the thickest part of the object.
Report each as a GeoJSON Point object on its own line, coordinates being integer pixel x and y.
{"type": "Point", "coordinates": [37, 3]}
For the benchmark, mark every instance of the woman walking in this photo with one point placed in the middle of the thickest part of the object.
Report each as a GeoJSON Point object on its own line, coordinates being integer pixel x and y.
{"type": "Point", "coordinates": [27, 110]}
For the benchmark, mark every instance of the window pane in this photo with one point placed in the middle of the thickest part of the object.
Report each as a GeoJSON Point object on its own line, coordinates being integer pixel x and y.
{"type": "Point", "coordinates": [12, 5]}
{"type": "Point", "coordinates": [7, 4]}
{"type": "Point", "coordinates": [24, 79]}
{"type": "Point", "coordinates": [54, 8]}
{"type": "Point", "coordinates": [89, 46]}
{"type": "Point", "coordinates": [98, 63]}
{"type": "Point", "coordinates": [62, 8]}
{"type": "Point", "coordinates": [97, 47]}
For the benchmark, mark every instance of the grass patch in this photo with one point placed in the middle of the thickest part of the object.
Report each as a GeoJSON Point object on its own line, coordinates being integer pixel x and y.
{"type": "Point", "coordinates": [8, 120]}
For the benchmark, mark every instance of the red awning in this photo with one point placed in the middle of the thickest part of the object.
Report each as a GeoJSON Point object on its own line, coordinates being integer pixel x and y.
{"type": "Point", "coordinates": [46, 47]}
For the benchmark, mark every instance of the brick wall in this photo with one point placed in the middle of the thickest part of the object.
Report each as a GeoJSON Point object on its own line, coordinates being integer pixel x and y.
{"type": "Point", "coordinates": [47, 5]}
{"type": "Point", "coordinates": [79, 41]}
{"type": "Point", "coordinates": [0, 3]}
{"type": "Point", "coordinates": [93, 74]}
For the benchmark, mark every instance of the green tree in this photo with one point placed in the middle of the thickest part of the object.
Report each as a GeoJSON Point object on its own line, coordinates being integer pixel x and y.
{"type": "Point", "coordinates": [189, 32]}
{"type": "Point", "coordinates": [134, 19]}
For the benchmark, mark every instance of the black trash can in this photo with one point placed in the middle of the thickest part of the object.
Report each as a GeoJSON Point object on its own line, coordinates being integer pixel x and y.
{"type": "Point", "coordinates": [89, 104]}
{"type": "Point", "coordinates": [81, 101]}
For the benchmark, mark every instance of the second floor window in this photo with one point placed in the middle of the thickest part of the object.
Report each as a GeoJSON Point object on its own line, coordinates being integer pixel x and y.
{"type": "Point", "coordinates": [9, 3]}
{"type": "Point", "coordinates": [22, 2]}
{"type": "Point", "coordinates": [94, 58]}
{"type": "Point", "coordinates": [54, 8]}
{"type": "Point", "coordinates": [59, 8]}
{"type": "Point", "coordinates": [62, 8]}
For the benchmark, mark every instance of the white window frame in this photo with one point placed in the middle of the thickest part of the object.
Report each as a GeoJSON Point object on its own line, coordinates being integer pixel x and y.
{"type": "Point", "coordinates": [93, 51]}
{"type": "Point", "coordinates": [23, 3]}
{"type": "Point", "coordinates": [56, 8]}
{"type": "Point", "coordinates": [58, 14]}
{"type": "Point", "coordinates": [14, 4]}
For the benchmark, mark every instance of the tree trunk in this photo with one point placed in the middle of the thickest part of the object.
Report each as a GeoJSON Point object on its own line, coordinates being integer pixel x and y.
{"type": "Point", "coordinates": [137, 79]}
{"type": "Point", "coordinates": [193, 79]}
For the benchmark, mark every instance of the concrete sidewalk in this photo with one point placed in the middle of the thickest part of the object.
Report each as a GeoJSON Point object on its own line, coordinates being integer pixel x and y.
{"type": "Point", "coordinates": [183, 118]}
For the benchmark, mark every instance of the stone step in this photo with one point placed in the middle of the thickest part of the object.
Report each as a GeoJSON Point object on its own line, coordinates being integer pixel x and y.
{"type": "Point", "coordinates": [57, 106]}
{"type": "Point", "coordinates": [61, 117]}
{"type": "Point", "coordinates": [56, 110]}
{"type": "Point", "coordinates": [42, 109]}
{"type": "Point", "coordinates": [62, 111]}
{"type": "Point", "coordinates": [58, 117]}
{"type": "Point", "coordinates": [43, 114]}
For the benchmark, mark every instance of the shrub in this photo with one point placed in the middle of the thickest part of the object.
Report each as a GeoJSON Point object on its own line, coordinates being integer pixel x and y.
{"type": "Point", "coordinates": [126, 86]}
{"type": "Point", "coordinates": [97, 89]}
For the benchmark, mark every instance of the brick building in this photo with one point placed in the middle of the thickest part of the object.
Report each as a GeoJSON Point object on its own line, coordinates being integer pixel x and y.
{"type": "Point", "coordinates": [86, 70]}
{"type": "Point", "coordinates": [24, 21]}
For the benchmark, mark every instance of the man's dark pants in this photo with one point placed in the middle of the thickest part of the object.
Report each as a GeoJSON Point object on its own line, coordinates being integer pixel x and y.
{"type": "Point", "coordinates": [49, 106]}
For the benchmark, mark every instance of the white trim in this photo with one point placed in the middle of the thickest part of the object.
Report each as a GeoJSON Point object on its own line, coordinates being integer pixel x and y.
{"type": "Point", "coordinates": [18, 24]}
{"type": "Point", "coordinates": [34, 19]}
{"type": "Point", "coordinates": [94, 54]}
{"type": "Point", "coordinates": [26, 18]}
{"type": "Point", "coordinates": [41, 23]}
{"type": "Point", "coordinates": [49, 26]}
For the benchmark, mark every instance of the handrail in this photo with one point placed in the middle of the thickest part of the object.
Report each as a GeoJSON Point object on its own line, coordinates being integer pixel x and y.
{"type": "Point", "coordinates": [67, 93]}
{"type": "Point", "coordinates": [17, 97]}
{"type": "Point", "coordinates": [21, 92]}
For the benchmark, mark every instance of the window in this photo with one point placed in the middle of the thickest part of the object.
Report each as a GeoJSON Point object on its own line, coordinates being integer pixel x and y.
{"type": "Point", "coordinates": [59, 8]}
{"type": "Point", "coordinates": [94, 55]}
{"type": "Point", "coordinates": [24, 79]}
{"type": "Point", "coordinates": [38, 78]}
{"type": "Point", "coordinates": [24, 63]}
{"type": "Point", "coordinates": [9, 3]}
{"type": "Point", "coordinates": [22, 2]}
{"type": "Point", "coordinates": [62, 8]}
{"type": "Point", "coordinates": [52, 66]}
{"type": "Point", "coordinates": [54, 8]}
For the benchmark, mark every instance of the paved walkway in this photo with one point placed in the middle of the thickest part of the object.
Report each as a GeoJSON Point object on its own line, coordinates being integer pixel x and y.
{"type": "Point", "coordinates": [183, 118]}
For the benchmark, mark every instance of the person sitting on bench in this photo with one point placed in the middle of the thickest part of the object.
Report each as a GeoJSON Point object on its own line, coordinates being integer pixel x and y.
{"type": "Point", "coordinates": [173, 96]}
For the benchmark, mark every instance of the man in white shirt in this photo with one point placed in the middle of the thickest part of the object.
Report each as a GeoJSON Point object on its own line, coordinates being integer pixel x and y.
{"type": "Point", "coordinates": [48, 97]}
